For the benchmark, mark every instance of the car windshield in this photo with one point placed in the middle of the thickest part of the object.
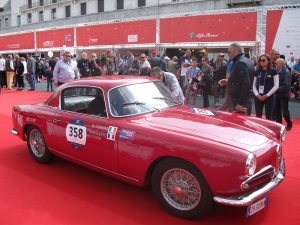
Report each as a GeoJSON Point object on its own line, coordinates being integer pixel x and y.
{"type": "Point", "coordinates": [140, 98]}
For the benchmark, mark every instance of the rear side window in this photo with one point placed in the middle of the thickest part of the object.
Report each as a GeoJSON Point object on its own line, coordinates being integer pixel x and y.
{"type": "Point", "coordinates": [83, 100]}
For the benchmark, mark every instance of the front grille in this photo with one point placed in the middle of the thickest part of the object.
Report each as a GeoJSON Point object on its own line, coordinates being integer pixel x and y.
{"type": "Point", "coordinates": [260, 178]}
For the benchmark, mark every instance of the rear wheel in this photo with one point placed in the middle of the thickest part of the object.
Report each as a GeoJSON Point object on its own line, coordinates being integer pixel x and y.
{"type": "Point", "coordinates": [37, 145]}
{"type": "Point", "coordinates": [181, 189]}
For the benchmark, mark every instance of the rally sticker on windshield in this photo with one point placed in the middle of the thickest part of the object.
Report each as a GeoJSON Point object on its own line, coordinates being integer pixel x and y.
{"type": "Point", "coordinates": [111, 133]}
{"type": "Point", "coordinates": [76, 133]}
{"type": "Point", "coordinates": [202, 111]}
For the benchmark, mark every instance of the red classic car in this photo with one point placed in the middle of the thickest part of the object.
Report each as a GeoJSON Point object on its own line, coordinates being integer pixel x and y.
{"type": "Point", "coordinates": [133, 129]}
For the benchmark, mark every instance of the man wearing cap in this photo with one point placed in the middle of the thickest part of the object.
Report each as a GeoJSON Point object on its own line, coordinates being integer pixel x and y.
{"type": "Point", "coordinates": [65, 70]}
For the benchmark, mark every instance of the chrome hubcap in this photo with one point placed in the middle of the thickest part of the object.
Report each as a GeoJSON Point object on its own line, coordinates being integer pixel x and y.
{"type": "Point", "coordinates": [37, 143]}
{"type": "Point", "coordinates": [180, 189]}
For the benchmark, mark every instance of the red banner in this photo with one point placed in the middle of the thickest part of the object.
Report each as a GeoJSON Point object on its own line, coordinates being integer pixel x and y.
{"type": "Point", "coordinates": [136, 32]}
{"type": "Point", "coordinates": [273, 20]}
{"type": "Point", "coordinates": [209, 28]}
{"type": "Point", "coordinates": [55, 38]}
{"type": "Point", "coordinates": [17, 42]}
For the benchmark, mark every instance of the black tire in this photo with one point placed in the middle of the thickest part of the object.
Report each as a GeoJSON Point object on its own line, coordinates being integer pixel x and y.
{"type": "Point", "coordinates": [37, 145]}
{"type": "Point", "coordinates": [181, 189]}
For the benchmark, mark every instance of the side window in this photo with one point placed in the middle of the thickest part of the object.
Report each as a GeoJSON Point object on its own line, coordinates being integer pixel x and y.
{"type": "Point", "coordinates": [83, 100]}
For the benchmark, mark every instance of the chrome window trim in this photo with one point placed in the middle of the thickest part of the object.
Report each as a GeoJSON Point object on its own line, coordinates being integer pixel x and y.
{"type": "Point", "coordinates": [108, 99]}
{"type": "Point", "coordinates": [81, 86]}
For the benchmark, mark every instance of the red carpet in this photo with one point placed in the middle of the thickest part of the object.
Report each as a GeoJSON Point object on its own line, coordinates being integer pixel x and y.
{"type": "Point", "coordinates": [64, 193]}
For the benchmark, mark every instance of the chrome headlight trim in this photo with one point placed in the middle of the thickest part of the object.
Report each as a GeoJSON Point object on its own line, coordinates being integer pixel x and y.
{"type": "Point", "coordinates": [250, 165]}
{"type": "Point", "coordinates": [282, 133]}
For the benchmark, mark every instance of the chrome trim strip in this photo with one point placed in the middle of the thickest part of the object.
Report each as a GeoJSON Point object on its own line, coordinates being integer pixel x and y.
{"type": "Point", "coordinates": [249, 198]}
{"type": "Point", "coordinates": [244, 185]}
{"type": "Point", "coordinates": [14, 131]}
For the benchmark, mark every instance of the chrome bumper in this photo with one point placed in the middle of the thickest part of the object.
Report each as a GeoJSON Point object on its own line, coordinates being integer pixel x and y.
{"type": "Point", "coordinates": [249, 198]}
{"type": "Point", "coordinates": [14, 131]}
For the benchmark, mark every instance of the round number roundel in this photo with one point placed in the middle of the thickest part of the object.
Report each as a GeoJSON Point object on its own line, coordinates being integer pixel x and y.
{"type": "Point", "coordinates": [76, 133]}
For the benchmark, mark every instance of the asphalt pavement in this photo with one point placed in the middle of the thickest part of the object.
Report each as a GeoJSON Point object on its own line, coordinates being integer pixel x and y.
{"type": "Point", "coordinates": [294, 104]}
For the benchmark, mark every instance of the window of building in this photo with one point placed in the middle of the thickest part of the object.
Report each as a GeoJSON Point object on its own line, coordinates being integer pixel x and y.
{"type": "Point", "coordinates": [29, 18]}
{"type": "Point", "coordinates": [0, 23]}
{"type": "Point", "coordinates": [41, 16]}
{"type": "Point", "coordinates": [54, 1]}
{"type": "Point", "coordinates": [6, 22]}
{"type": "Point", "coordinates": [19, 20]}
{"type": "Point", "coordinates": [68, 11]}
{"type": "Point", "coordinates": [29, 2]}
{"type": "Point", "coordinates": [83, 8]}
{"type": "Point", "coordinates": [100, 5]}
{"type": "Point", "coordinates": [141, 3]}
{"type": "Point", "coordinates": [41, 2]}
{"type": "Point", "coordinates": [120, 4]}
{"type": "Point", "coordinates": [53, 13]}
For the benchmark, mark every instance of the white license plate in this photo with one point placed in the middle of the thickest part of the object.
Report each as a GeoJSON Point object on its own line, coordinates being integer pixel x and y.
{"type": "Point", "coordinates": [257, 206]}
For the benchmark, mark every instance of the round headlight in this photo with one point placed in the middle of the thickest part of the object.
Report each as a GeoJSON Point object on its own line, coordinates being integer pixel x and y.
{"type": "Point", "coordinates": [250, 165]}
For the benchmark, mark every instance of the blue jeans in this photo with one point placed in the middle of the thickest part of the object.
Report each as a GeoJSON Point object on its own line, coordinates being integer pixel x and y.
{"type": "Point", "coordinates": [32, 81]}
{"type": "Point", "coordinates": [182, 82]}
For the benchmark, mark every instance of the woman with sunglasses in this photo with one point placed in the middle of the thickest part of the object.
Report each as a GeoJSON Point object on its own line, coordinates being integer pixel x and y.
{"type": "Point", "coordinates": [265, 84]}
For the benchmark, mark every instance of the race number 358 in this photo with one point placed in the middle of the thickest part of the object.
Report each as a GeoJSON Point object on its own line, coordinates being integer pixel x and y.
{"type": "Point", "coordinates": [76, 133]}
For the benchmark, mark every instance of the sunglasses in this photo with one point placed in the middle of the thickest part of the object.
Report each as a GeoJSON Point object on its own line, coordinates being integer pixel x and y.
{"type": "Point", "coordinates": [67, 55]}
{"type": "Point", "coordinates": [262, 60]}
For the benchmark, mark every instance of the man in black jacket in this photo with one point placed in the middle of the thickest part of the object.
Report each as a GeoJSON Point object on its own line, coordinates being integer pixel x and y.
{"type": "Point", "coordinates": [283, 94]}
{"type": "Point", "coordinates": [84, 66]}
{"type": "Point", "coordinates": [239, 82]}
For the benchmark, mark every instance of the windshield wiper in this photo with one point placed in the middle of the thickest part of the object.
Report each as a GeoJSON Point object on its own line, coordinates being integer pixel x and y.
{"type": "Point", "coordinates": [134, 103]}
{"type": "Point", "coordinates": [168, 99]}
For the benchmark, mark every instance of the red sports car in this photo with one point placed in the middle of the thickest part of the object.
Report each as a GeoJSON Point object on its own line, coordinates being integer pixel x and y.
{"type": "Point", "coordinates": [133, 129]}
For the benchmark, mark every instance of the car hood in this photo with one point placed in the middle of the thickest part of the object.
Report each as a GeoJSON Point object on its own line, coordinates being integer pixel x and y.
{"type": "Point", "coordinates": [232, 129]}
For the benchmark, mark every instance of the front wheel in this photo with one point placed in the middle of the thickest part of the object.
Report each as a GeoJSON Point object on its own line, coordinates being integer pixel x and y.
{"type": "Point", "coordinates": [181, 189]}
{"type": "Point", "coordinates": [37, 145]}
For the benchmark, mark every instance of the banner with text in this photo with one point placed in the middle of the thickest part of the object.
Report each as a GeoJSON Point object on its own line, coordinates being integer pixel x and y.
{"type": "Point", "coordinates": [233, 27]}
{"type": "Point", "coordinates": [17, 42]}
{"type": "Point", "coordinates": [135, 32]}
{"type": "Point", "coordinates": [56, 38]}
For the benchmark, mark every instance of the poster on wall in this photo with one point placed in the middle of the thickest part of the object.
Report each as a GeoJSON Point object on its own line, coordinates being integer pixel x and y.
{"type": "Point", "coordinates": [283, 32]}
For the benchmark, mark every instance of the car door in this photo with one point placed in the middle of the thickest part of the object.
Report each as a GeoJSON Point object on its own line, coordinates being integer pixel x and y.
{"type": "Point", "coordinates": [81, 136]}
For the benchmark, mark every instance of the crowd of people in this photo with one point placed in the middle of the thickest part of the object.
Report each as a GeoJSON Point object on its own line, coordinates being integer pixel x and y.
{"type": "Point", "coordinates": [267, 80]}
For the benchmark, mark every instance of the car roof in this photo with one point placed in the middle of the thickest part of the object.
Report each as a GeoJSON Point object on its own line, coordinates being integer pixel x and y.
{"type": "Point", "coordinates": [108, 82]}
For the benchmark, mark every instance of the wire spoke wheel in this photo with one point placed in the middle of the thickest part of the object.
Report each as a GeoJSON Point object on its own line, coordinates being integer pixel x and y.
{"type": "Point", "coordinates": [180, 189]}
{"type": "Point", "coordinates": [37, 143]}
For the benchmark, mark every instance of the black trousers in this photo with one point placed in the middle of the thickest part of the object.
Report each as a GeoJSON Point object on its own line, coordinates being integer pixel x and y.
{"type": "Point", "coordinates": [20, 81]}
{"type": "Point", "coordinates": [205, 93]}
{"type": "Point", "coordinates": [269, 107]}
{"type": "Point", "coordinates": [282, 109]}
{"type": "Point", "coordinates": [3, 78]}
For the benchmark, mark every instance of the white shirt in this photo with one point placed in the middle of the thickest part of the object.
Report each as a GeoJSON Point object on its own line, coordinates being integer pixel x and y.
{"type": "Point", "coordinates": [25, 67]}
{"type": "Point", "coordinates": [2, 64]}
{"type": "Point", "coordinates": [145, 64]}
